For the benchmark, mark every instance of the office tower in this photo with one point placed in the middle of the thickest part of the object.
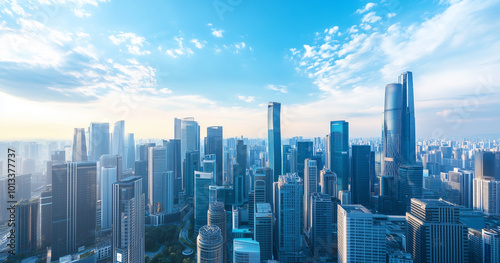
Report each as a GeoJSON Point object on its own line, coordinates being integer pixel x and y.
{"type": "Point", "coordinates": [475, 246]}
{"type": "Point", "coordinates": [26, 225]}
{"type": "Point", "coordinates": [328, 183]}
{"type": "Point", "coordinates": [161, 182]}
{"type": "Point", "coordinates": [190, 136]}
{"type": "Point", "coordinates": [246, 250]}
{"type": "Point", "coordinates": [209, 164]}
{"type": "Point", "coordinates": [46, 218]}
{"type": "Point", "coordinates": [240, 170]}
{"type": "Point", "coordinates": [209, 242]}
{"type": "Point", "coordinates": [191, 164]}
{"type": "Point", "coordinates": [79, 153]}
{"type": "Point", "coordinates": [216, 216]}
{"type": "Point", "coordinates": [214, 146]}
{"type": "Point", "coordinates": [239, 185]}
{"type": "Point", "coordinates": [74, 207]}
{"type": "Point", "coordinates": [373, 174]}
{"type": "Point", "coordinates": [491, 245]}
{"type": "Point", "coordinates": [434, 232]}
{"type": "Point", "coordinates": [202, 182]}
{"type": "Point", "coordinates": [141, 170]}
{"type": "Point", "coordinates": [108, 178]}
{"type": "Point", "coordinates": [361, 238]}
{"type": "Point", "coordinates": [487, 165]}
{"type": "Point", "coordinates": [310, 187]}
{"type": "Point", "coordinates": [286, 162]}
{"type": "Point", "coordinates": [321, 222]}
{"type": "Point", "coordinates": [109, 161]}
{"type": "Point", "coordinates": [128, 221]}
{"type": "Point", "coordinates": [345, 197]}
{"type": "Point", "coordinates": [174, 163]}
{"type": "Point", "coordinates": [274, 138]}
{"type": "Point", "coordinates": [360, 184]}
{"type": "Point", "coordinates": [58, 156]}
{"type": "Point", "coordinates": [129, 150]}
{"type": "Point", "coordinates": [339, 152]}
{"type": "Point", "coordinates": [410, 183]}
{"type": "Point", "coordinates": [288, 198]}
{"type": "Point", "coordinates": [398, 133]}
{"type": "Point", "coordinates": [263, 230]}
{"type": "Point", "coordinates": [118, 139]}
{"type": "Point", "coordinates": [266, 174]}
{"type": "Point", "coordinates": [304, 151]}
{"type": "Point", "coordinates": [177, 128]}
{"type": "Point", "coordinates": [487, 196]}
{"type": "Point", "coordinates": [143, 151]}
{"type": "Point", "coordinates": [99, 140]}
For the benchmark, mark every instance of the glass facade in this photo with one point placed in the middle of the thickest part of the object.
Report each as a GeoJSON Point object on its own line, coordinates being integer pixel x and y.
{"type": "Point", "coordinates": [274, 138]}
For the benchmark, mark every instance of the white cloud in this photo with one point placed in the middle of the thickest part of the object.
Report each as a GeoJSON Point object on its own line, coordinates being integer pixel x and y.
{"type": "Point", "coordinates": [390, 15]}
{"type": "Point", "coordinates": [180, 49]}
{"type": "Point", "coordinates": [246, 98]}
{"type": "Point", "coordinates": [134, 43]}
{"type": "Point", "coordinates": [197, 43]}
{"type": "Point", "coordinates": [81, 13]}
{"type": "Point", "coordinates": [367, 7]}
{"type": "Point", "coordinates": [370, 18]}
{"type": "Point", "coordinates": [279, 88]}
{"type": "Point", "coordinates": [217, 32]}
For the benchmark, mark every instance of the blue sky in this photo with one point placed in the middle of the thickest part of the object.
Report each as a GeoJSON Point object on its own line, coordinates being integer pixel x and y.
{"type": "Point", "coordinates": [66, 63]}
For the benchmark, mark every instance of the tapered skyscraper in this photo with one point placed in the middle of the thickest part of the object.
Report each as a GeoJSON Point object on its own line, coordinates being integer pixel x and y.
{"type": "Point", "coordinates": [99, 140]}
{"type": "Point", "coordinates": [398, 131]}
{"type": "Point", "coordinates": [274, 138]}
{"type": "Point", "coordinates": [79, 146]}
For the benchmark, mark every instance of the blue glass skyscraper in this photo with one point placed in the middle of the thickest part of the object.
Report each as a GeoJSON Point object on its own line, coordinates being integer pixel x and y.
{"type": "Point", "coordinates": [213, 145]}
{"type": "Point", "coordinates": [339, 152]}
{"type": "Point", "coordinates": [99, 140]}
{"type": "Point", "coordinates": [274, 138]}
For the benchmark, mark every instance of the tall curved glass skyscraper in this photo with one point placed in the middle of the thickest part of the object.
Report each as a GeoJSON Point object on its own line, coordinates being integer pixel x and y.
{"type": "Point", "coordinates": [398, 131]}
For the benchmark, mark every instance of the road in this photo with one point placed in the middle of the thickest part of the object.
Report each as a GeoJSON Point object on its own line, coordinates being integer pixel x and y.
{"type": "Point", "coordinates": [184, 232]}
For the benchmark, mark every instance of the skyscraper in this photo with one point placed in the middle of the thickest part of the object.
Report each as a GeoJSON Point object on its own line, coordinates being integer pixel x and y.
{"type": "Point", "coordinates": [161, 188]}
{"type": "Point", "coordinates": [434, 232]}
{"type": "Point", "coordinates": [174, 163]}
{"type": "Point", "coordinates": [274, 138]}
{"type": "Point", "coordinates": [410, 183]}
{"type": "Point", "coordinates": [240, 171]}
{"type": "Point", "coordinates": [487, 182]}
{"type": "Point", "coordinates": [209, 244]}
{"type": "Point", "coordinates": [304, 151]}
{"type": "Point", "coordinates": [491, 245]}
{"type": "Point", "coordinates": [128, 221]}
{"type": "Point", "coordinates": [310, 187]}
{"type": "Point", "coordinates": [46, 218]}
{"type": "Point", "coordinates": [398, 137]}
{"type": "Point", "coordinates": [79, 153]}
{"type": "Point", "coordinates": [202, 182]}
{"type": "Point", "coordinates": [360, 237]}
{"type": "Point", "coordinates": [118, 139]}
{"type": "Point", "coordinates": [216, 216]}
{"type": "Point", "coordinates": [129, 158]}
{"type": "Point", "coordinates": [191, 164]}
{"type": "Point", "coordinates": [108, 177]}
{"type": "Point", "coordinates": [263, 230]}
{"type": "Point", "coordinates": [328, 183]}
{"type": "Point", "coordinates": [26, 225]}
{"type": "Point", "coordinates": [360, 181]}
{"type": "Point", "coordinates": [487, 165]}
{"type": "Point", "coordinates": [246, 250]}
{"type": "Point", "coordinates": [177, 128]}
{"type": "Point", "coordinates": [288, 196]}
{"type": "Point", "coordinates": [73, 207]}
{"type": "Point", "coordinates": [190, 136]}
{"type": "Point", "coordinates": [214, 146]}
{"type": "Point", "coordinates": [339, 153]}
{"type": "Point", "coordinates": [321, 222]}
{"type": "Point", "coordinates": [99, 140]}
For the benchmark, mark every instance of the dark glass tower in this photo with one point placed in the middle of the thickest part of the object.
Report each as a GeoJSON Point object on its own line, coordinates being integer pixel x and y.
{"type": "Point", "coordinates": [274, 138]}
{"type": "Point", "coordinates": [304, 151]}
{"type": "Point", "coordinates": [73, 207]}
{"type": "Point", "coordinates": [191, 164]}
{"type": "Point", "coordinates": [214, 146]}
{"type": "Point", "coordinates": [361, 174]}
{"type": "Point", "coordinates": [339, 153]}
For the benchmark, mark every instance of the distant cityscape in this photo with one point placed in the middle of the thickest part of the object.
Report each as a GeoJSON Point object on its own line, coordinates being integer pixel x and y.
{"type": "Point", "coordinates": [107, 196]}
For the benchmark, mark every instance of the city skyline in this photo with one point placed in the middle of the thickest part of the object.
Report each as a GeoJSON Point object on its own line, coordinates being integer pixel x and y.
{"type": "Point", "coordinates": [332, 67]}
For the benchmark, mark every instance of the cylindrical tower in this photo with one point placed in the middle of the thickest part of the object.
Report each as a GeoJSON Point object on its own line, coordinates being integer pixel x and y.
{"type": "Point", "coordinates": [209, 243]}
{"type": "Point", "coordinates": [216, 216]}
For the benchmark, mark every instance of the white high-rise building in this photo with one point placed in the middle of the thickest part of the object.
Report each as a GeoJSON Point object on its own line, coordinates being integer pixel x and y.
{"type": "Point", "coordinates": [361, 239]}
{"type": "Point", "coordinates": [263, 230]}
{"type": "Point", "coordinates": [288, 194]}
{"type": "Point", "coordinates": [246, 250]}
{"type": "Point", "coordinates": [310, 187]}
{"type": "Point", "coordinates": [161, 182]}
{"type": "Point", "coordinates": [487, 195]}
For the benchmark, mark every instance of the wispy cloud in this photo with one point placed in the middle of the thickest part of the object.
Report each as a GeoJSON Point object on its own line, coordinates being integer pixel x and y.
{"type": "Point", "coordinates": [134, 43]}
{"type": "Point", "coordinates": [180, 50]}
{"type": "Point", "coordinates": [217, 32]}
{"type": "Point", "coordinates": [246, 98]}
{"type": "Point", "coordinates": [367, 7]}
{"type": "Point", "coordinates": [197, 43]}
{"type": "Point", "coordinates": [278, 88]}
